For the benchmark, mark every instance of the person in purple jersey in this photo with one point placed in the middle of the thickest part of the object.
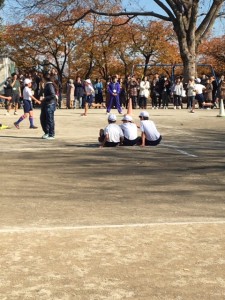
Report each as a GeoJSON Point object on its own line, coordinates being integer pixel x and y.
{"type": "Point", "coordinates": [114, 91]}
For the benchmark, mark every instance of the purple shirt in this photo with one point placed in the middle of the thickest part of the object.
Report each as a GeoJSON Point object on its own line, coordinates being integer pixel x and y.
{"type": "Point", "coordinates": [114, 88]}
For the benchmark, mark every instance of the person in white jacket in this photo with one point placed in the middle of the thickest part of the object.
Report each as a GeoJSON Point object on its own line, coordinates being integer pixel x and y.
{"type": "Point", "coordinates": [144, 92]}
{"type": "Point", "coordinates": [177, 91]}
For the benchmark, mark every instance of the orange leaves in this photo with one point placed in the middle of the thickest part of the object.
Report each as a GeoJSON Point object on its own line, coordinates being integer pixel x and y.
{"type": "Point", "coordinates": [212, 51]}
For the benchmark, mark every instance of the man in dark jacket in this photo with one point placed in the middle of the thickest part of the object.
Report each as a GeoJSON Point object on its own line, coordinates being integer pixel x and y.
{"type": "Point", "coordinates": [48, 108]}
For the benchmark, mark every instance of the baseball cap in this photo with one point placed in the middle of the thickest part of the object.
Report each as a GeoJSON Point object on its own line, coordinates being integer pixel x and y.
{"type": "Point", "coordinates": [27, 81]}
{"type": "Point", "coordinates": [198, 80]}
{"type": "Point", "coordinates": [144, 114]}
{"type": "Point", "coordinates": [112, 117]}
{"type": "Point", "coordinates": [127, 118]}
{"type": "Point", "coordinates": [88, 80]}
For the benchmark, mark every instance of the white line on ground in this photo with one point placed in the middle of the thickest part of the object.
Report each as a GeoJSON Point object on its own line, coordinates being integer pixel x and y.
{"type": "Point", "coordinates": [179, 150]}
{"type": "Point", "coordinates": [114, 226]}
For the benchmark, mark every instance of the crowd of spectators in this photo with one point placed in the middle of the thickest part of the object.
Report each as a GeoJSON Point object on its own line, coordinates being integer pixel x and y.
{"type": "Point", "coordinates": [155, 91]}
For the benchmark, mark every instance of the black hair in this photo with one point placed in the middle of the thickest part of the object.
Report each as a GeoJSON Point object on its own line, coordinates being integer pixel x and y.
{"type": "Point", "coordinates": [47, 76]}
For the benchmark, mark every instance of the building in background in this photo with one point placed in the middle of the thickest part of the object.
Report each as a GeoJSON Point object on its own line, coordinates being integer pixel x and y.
{"type": "Point", "coordinates": [7, 67]}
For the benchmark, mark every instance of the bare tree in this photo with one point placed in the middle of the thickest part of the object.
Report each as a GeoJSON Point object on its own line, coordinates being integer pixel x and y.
{"type": "Point", "coordinates": [190, 23]}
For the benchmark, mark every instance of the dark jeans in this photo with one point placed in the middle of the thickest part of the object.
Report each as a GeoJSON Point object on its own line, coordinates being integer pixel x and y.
{"type": "Point", "coordinates": [142, 102]}
{"type": "Point", "coordinates": [47, 118]}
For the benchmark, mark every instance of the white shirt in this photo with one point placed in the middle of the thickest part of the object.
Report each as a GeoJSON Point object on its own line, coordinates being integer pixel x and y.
{"type": "Point", "coordinates": [114, 132]}
{"type": "Point", "coordinates": [149, 128]}
{"type": "Point", "coordinates": [144, 88]}
{"type": "Point", "coordinates": [129, 130]}
{"type": "Point", "coordinates": [191, 89]}
{"type": "Point", "coordinates": [27, 93]}
{"type": "Point", "coordinates": [89, 89]}
{"type": "Point", "coordinates": [199, 88]}
{"type": "Point", "coordinates": [177, 89]}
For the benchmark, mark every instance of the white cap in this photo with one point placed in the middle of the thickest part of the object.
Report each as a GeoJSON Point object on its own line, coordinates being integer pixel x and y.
{"type": "Point", "coordinates": [88, 80]}
{"type": "Point", "coordinates": [127, 118]}
{"type": "Point", "coordinates": [112, 117]}
{"type": "Point", "coordinates": [198, 80]}
{"type": "Point", "coordinates": [27, 81]}
{"type": "Point", "coordinates": [144, 114]}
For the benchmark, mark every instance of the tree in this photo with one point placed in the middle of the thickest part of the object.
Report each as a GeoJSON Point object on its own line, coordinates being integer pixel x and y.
{"type": "Point", "coordinates": [155, 42]}
{"type": "Point", "coordinates": [189, 23]}
{"type": "Point", "coordinates": [38, 40]}
{"type": "Point", "coordinates": [213, 52]}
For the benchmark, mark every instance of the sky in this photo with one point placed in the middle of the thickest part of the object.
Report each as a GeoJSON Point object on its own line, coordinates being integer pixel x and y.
{"type": "Point", "coordinates": [149, 5]}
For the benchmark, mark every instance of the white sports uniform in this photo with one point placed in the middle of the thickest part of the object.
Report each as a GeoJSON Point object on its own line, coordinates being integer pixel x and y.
{"type": "Point", "coordinates": [114, 132]}
{"type": "Point", "coordinates": [149, 128]}
{"type": "Point", "coordinates": [129, 130]}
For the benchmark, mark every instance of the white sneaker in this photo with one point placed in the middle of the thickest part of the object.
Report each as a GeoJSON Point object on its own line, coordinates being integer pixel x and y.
{"type": "Point", "coordinates": [15, 113]}
{"type": "Point", "coordinates": [175, 107]}
{"type": "Point", "coordinates": [50, 138]}
{"type": "Point", "coordinates": [45, 136]}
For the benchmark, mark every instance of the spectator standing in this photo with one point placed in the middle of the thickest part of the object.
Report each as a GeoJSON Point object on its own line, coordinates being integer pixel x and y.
{"type": "Point", "coordinates": [144, 92]}
{"type": "Point", "coordinates": [191, 93]}
{"type": "Point", "coordinates": [114, 91]}
{"type": "Point", "coordinates": [208, 94]}
{"type": "Point", "coordinates": [214, 91]}
{"type": "Point", "coordinates": [8, 93]}
{"type": "Point", "coordinates": [122, 94]}
{"type": "Point", "coordinates": [70, 94]}
{"type": "Point", "coordinates": [166, 93]}
{"type": "Point", "coordinates": [177, 90]}
{"type": "Point", "coordinates": [79, 93]}
{"type": "Point", "coordinates": [155, 92]}
{"type": "Point", "coordinates": [16, 92]}
{"type": "Point", "coordinates": [222, 88]}
{"type": "Point", "coordinates": [98, 87]}
{"type": "Point", "coordinates": [133, 91]}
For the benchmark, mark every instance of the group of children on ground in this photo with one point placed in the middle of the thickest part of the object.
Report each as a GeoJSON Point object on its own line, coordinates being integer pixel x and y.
{"type": "Point", "coordinates": [126, 134]}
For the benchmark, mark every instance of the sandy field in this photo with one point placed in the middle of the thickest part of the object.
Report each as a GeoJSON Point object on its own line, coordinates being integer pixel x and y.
{"type": "Point", "coordinates": [84, 223]}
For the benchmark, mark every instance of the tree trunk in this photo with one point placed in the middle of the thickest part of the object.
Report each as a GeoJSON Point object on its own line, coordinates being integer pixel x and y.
{"type": "Point", "coordinates": [189, 63]}
{"type": "Point", "coordinates": [147, 59]}
{"type": "Point", "coordinates": [188, 52]}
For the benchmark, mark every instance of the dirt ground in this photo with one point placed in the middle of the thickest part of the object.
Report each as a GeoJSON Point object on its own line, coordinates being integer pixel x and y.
{"type": "Point", "coordinates": [80, 222]}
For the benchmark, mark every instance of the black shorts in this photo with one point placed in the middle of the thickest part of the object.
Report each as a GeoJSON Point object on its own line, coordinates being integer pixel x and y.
{"type": "Point", "coordinates": [107, 144]}
{"type": "Point", "coordinates": [153, 143]}
{"type": "Point", "coordinates": [127, 142]}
